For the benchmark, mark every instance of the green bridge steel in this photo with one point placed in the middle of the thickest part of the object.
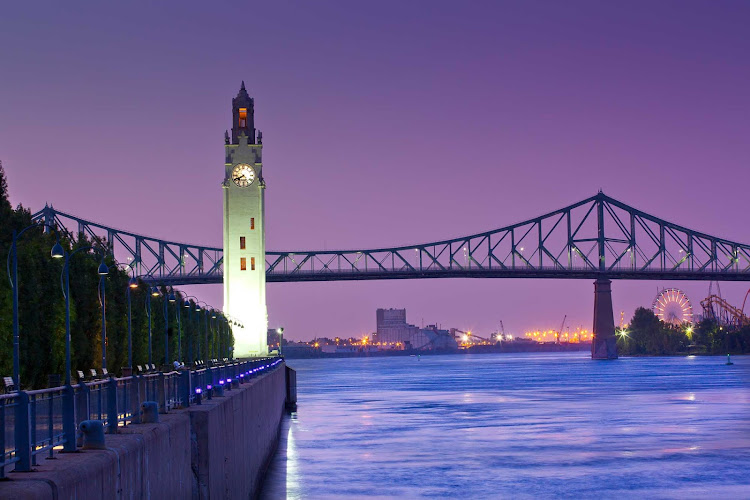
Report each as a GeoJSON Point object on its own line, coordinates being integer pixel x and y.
{"type": "Point", "coordinates": [598, 237]}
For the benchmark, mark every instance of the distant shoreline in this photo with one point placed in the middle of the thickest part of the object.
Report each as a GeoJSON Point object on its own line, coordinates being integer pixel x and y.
{"type": "Point", "coordinates": [504, 347]}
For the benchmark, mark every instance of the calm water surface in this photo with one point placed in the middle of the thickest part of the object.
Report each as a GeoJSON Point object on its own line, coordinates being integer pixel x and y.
{"type": "Point", "coordinates": [516, 426]}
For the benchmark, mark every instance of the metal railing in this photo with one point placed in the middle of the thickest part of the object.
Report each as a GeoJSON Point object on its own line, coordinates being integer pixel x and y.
{"type": "Point", "coordinates": [49, 418]}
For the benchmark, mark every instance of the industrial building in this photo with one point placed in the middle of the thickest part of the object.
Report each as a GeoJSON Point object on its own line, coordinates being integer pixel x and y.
{"type": "Point", "coordinates": [393, 332]}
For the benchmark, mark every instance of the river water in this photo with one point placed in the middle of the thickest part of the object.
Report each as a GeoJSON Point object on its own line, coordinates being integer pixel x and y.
{"type": "Point", "coordinates": [535, 425]}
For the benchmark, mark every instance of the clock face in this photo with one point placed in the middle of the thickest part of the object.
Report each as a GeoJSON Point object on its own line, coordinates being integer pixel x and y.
{"type": "Point", "coordinates": [243, 175]}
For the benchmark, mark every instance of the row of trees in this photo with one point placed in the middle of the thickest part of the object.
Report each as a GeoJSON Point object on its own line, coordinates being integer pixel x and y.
{"type": "Point", "coordinates": [42, 310]}
{"type": "Point", "coordinates": [647, 335]}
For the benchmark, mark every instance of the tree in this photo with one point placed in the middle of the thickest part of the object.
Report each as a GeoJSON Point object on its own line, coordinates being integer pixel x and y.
{"type": "Point", "coordinates": [648, 335]}
{"type": "Point", "coordinates": [644, 328]}
{"type": "Point", "coordinates": [42, 308]}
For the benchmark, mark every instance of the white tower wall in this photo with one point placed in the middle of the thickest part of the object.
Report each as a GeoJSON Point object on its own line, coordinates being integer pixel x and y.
{"type": "Point", "coordinates": [244, 217]}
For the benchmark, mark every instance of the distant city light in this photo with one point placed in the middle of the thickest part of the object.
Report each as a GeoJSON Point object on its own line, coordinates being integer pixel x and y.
{"type": "Point", "coordinates": [573, 337]}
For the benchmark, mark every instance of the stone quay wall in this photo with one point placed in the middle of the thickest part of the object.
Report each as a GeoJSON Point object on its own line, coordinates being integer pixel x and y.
{"type": "Point", "coordinates": [218, 449]}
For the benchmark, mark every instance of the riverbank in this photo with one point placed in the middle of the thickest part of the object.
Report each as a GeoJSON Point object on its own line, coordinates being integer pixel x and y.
{"type": "Point", "coordinates": [218, 449]}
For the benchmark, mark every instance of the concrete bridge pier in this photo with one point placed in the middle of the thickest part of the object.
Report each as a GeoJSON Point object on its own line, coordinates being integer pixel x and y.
{"type": "Point", "coordinates": [604, 341]}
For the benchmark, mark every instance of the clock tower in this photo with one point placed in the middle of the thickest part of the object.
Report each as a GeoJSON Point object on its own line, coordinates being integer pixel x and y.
{"type": "Point", "coordinates": [244, 231]}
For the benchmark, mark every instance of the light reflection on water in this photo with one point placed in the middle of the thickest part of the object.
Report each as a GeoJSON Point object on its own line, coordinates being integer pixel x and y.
{"type": "Point", "coordinates": [516, 425]}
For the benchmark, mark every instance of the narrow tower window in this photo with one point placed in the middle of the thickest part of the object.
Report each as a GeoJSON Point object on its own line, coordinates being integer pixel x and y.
{"type": "Point", "coordinates": [252, 222]}
{"type": "Point", "coordinates": [243, 264]}
{"type": "Point", "coordinates": [243, 117]}
{"type": "Point", "coordinates": [242, 242]}
{"type": "Point", "coordinates": [252, 263]}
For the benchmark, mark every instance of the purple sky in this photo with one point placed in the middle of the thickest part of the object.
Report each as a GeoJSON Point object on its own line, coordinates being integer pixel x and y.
{"type": "Point", "coordinates": [385, 123]}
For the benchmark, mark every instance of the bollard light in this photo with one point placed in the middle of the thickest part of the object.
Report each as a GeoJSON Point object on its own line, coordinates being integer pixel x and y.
{"type": "Point", "coordinates": [229, 384]}
{"type": "Point", "coordinates": [210, 390]}
{"type": "Point", "coordinates": [198, 395]}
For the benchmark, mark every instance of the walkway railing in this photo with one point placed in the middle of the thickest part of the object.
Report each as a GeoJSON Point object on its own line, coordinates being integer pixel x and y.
{"type": "Point", "coordinates": [46, 427]}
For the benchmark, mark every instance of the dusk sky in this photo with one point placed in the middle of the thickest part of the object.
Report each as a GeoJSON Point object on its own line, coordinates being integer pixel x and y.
{"type": "Point", "coordinates": [385, 123]}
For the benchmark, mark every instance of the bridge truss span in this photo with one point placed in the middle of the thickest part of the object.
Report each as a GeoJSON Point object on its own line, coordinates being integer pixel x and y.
{"type": "Point", "coordinates": [598, 237]}
{"type": "Point", "coordinates": [594, 238]}
{"type": "Point", "coordinates": [152, 259]}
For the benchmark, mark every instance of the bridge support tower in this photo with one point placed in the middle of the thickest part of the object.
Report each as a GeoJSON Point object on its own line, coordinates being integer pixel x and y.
{"type": "Point", "coordinates": [604, 341]}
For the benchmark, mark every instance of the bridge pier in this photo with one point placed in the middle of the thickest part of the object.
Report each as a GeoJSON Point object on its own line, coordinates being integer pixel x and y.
{"type": "Point", "coordinates": [604, 341]}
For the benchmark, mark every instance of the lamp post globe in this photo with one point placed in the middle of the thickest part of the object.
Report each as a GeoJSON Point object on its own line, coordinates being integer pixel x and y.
{"type": "Point", "coordinates": [103, 269]}
{"type": "Point", "coordinates": [57, 251]}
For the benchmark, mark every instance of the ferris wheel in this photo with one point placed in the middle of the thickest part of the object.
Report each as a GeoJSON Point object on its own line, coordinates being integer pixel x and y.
{"type": "Point", "coordinates": [671, 305]}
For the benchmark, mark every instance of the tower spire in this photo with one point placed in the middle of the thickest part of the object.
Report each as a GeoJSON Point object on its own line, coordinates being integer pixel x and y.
{"type": "Point", "coordinates": [242, 115]}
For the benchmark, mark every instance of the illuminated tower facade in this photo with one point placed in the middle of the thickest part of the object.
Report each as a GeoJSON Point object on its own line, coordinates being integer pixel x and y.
{"type": "Point", "coordinates": [244, 231]}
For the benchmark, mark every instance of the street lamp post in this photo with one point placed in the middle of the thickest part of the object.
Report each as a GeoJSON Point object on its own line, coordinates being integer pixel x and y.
{"type": "Point", "coordinates": [226, 337]}
{"type": "Point", "coordinates": [173, 298]}
{"type": "Point", "coordinates": [152, 292]}
{"type": "Point", "coordinates": [280, 331]}
{"type": "Point", "coordinates": [167, 300]}
{"type": "Point", "coordinates": [185, 302]}
{"type": "Point", "coordinates": [221, 329]}
{"type": "Point", "coordinates": [69, 424]}
{"type": "Point", "coordinates": [132, 284]}
{"type": "Point", "coordinates": [215, 339]}
{"type": "Point", "coordinates": [13, 256]}
{"type": "Point", "coordinates": [197, 333]}
{"type": "Point", "coordinates": [58, 253]}
{"type": "Point", "coordinates": [205, 315]}
{"type": "Point", "coordinates": [103, 271]}
{"type": "Point", "coordinates": [22, 430]}
{"type": "Point", "coordinates": [216, 320]}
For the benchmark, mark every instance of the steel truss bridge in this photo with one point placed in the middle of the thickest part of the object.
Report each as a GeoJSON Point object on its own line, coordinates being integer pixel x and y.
{"type": "Point", "coordinates": [596, 238]}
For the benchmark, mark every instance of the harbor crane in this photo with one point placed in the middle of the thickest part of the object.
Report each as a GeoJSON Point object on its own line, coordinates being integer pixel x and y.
{"type": "Point", "coordinates": [502, 331]}
{"type": "Point", "coordinates": [557, 336]}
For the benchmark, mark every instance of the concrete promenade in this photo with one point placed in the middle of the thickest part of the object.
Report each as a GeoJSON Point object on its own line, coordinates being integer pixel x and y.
{"type": "Point", "coordinates": [218, 449]}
